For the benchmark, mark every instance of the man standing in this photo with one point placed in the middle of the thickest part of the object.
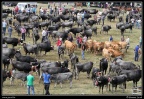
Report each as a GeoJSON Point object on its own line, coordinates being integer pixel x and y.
{"type": "Point", "coordinates": [30, 83]}
{"type": "Point", "coordinates": [10, 31]}
{"type": "Point", "coordinates": [83, 50]}
{"type": "Point", "coordinates": [136, 53]}
{"type": "Point", "coordinates": [140, 41]}
{"type": "Point", "coordinates": [4, 25]}
{"type": "Point", "coordinates": [128, 42]}
{"type": "Point", "coordinates": [23, 31]}
{"type": "Point", "coordinates": [43, 35]}
{"type": "Point", "coordinates": [46, 78]}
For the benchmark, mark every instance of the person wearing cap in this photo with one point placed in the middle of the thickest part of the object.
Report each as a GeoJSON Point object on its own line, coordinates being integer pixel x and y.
{"type": "Point", "coordinates": [136, 50]}
{"type": "Point", "coordinates": [30, 83]}
{"type": "Point", "coordinates": [10, 31]}
{"type": "Point", "coordinates": [46, 79]}
{"type": "Point", "coordinates": [4, 25]}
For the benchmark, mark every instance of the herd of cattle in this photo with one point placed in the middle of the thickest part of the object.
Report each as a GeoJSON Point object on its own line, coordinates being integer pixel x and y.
{"type": "Point", "coordinates": [23, 64]}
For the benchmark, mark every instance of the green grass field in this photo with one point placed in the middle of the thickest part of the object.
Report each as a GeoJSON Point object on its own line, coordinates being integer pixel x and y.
{"type": "Point", "coordinates": [83, 85]}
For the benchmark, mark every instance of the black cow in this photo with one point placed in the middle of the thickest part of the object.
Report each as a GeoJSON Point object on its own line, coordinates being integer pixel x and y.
{"type": "Point", "coordinates": [36, 36]}
{"type": "Point", "coordinates": [8, 11]}
{"type": "Point", "coordinates": [64, 17]}
{"type": "Point", "coordinates": [126, 65]}
{"type": "Point", "coordinates": [132, 75]}
{"type": "Point", "coordinates": [118, 80]}
{"type": "Point", "coordinates": [60, 77]}
{"type": "Point", "coordinates": [56, 27]}
{"type": "Point", "coordinates": [101, 82]}
{"type": "Point", "coordinates": [5, 74]}
{"type": "Point", "coordinates": [45, 46]}
{"type": "Point", "coordinates": [44, 17]}
{"type": "Point", "coordinates": [87, 16]}
{"type": "Point", "coordinates": [74, 59]}
{"type": "Point", "coordinates": [21, 58]}
{"type": "Point", "coordinates": [119, 24]}
{"type": "Point", "coordinates": [61, 52]}
{"type": "Point", "coordinates": [44, 24]}
{"type": "Point", "coordinates": [122, 29]}
{"type": "Point", "coordinates": [30, 49]}
{"type": "Point", "coordinates": [114, 68]}
{"type": "Point", "coordinates": [129, 26]}
{"type": "Point", "coordinates": [95, 73]}
{"type": "Point", "coordinates": [67, 24]}
{"type": "Point", "coordinates": [64, 64]}
{"type": "Point", "coordinates": [4, 15]}
{"type": "Point", "coordinates": [14, 41]}
{"type": "Point", "coordinates": [18, 75]}
{"type": "Point", "coordinates": [103, 65]}
{"type": "Point", "coordinates": [91, 22]}
{"type": "Point", "coordinates": [111, 17]}
{"type": "Point", "coordinates": [87, 33]}
{"type": "Point", "coordinates": [23, 66]}
{"type": "Point", "coordinates": [56, 19]}
{"type": "Point", "coordinates": [105, 28]}
{"type": "Point", "coordinates": [83, 67]}
{"type": "Point", "coordinates": [6, 61]}
{"type": "Point", "coordinates": [10, 52]}
{"type": "Point", "coordinates": [75, 30]}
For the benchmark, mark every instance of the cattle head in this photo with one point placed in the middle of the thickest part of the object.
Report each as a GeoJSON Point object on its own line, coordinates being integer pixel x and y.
{"type": "Point", "coordinates": [34, 68]}
{"type": "Point", "coordinates": [52, 47]}
{"type": "Point", "coordinates": [20, 40]}
{"type": "Point", "coordinates": [109, 27]}
{"type": "Point", "coordinates": [9, 73]}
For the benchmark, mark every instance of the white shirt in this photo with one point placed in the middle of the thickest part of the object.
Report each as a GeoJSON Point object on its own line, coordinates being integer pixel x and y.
{"type": "Point", "coordinates": [4, 24]}
{"type": "Point", "coordinates": [43, 33]}
{"type": "Point", "coordinates": [84, 39]}
{"type": "Point", "coordinates": [127, 40]}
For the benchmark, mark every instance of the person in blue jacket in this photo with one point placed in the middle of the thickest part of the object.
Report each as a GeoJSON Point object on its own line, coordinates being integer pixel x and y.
{"type": "Point", "coordinates": [46, 79]}
{"type": "Point", "coordinates": [136, 50]}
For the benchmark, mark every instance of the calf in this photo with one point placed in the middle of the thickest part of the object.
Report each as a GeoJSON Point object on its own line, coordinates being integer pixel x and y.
{"type": "Point", "coordinates": [83, 67]}
{"type": "Point", "coordinates": [60, 77]}
{"type": "Point", "coordinates": [101, 81]}
{"type": "Point", "coordinates": [117, 80]}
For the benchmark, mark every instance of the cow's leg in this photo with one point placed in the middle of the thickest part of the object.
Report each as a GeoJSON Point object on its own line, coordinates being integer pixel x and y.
{"type": "Point", "coordinates": [123, 87]}
{"type": "Point", "coordinates": [70, 83]}
{"type": "Point", "coordinates": [61, 84]}
{"type": "Point", "coordinates": [99, 88]}
{"type": "Point", "coordinates": [11, 80]}
{"type": "Point", "coordinates": [102, 88]}
{"type": "Point", "coordinates": [55, 84]}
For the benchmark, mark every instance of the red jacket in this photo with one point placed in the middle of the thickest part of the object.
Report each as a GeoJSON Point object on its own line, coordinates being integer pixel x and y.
{"type": "Point", "coordinates": [59, 42]}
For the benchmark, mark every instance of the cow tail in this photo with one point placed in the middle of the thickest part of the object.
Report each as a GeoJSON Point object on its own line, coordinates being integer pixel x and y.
{"type": "Point", "coordinates": [77, 60]}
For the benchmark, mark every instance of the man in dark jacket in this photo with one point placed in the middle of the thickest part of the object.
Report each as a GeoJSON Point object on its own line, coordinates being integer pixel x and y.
{"type": "Point", "coordinates": [136, 53]}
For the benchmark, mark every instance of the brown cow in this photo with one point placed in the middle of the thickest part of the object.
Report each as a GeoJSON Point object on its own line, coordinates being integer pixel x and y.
{"type": "Point", "coordinates": [115, 53]}
{"type": "Point", "coordinates": [123, 45]}
{"type": "Point", "coordinates": [106, 54]}
{"type": "Point", "coordinates": [69, 46]}
{"type": "Point", "coordinates": [89, 45]}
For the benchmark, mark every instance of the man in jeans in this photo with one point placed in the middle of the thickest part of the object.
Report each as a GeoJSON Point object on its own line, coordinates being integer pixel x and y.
{"type": "Point", "coordinates": [46, 78]}
{"type": "Point", "coordinates": [30, 83]}
{"type": "Point", "coordinates": [23, 31]}
{"type": "Point", "coordinates": [83, 50]}
{"type": "Point", "coordinates": [10, 31]}
{"type": "Point", "coordinates": [136, 53]}
{"type": "Point", "coordinates": [4, 25]}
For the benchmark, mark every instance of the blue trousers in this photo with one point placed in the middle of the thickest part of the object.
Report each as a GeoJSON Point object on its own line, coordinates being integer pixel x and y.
{"type": "Point", "coordinates": [10, 33]}
{"type": "Point", "coordinates": [82, 53]}
{"type": "Point", "coordinates": [30, 87]}
{"type": "Point", "coordinates": [136, 56]}
{"type": "Point", "coordinates": [23, 36]}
